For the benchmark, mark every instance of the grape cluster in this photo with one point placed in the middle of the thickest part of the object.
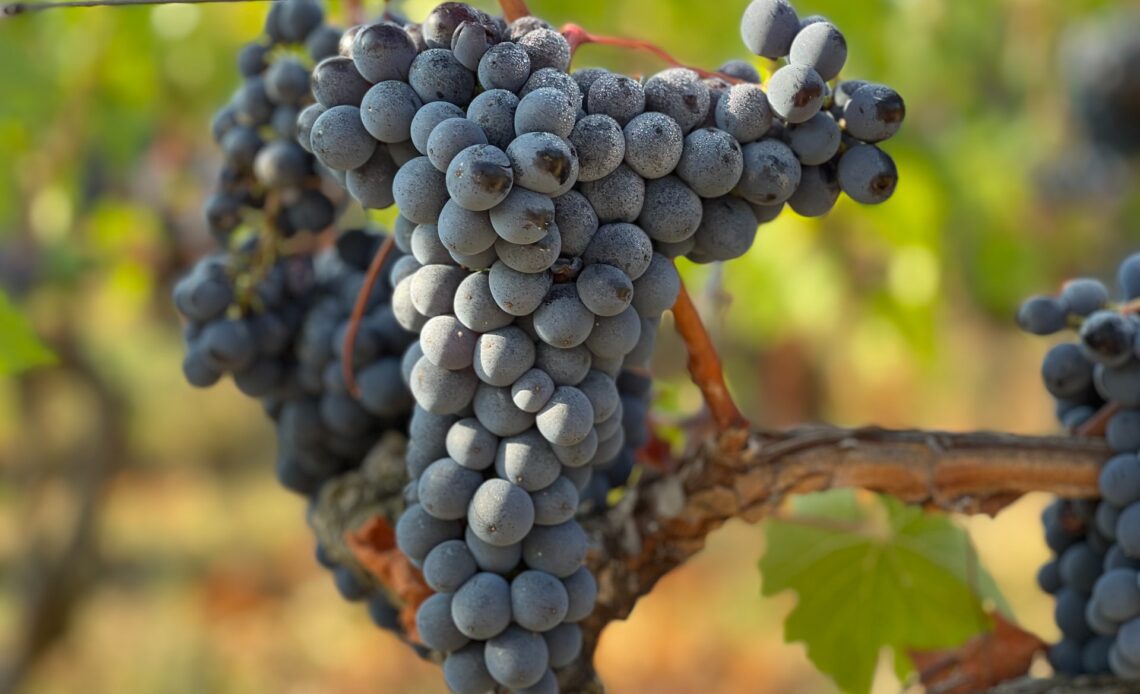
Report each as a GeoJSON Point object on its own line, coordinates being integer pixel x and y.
{"type": "Point", "coordinates": [1102, 67]}
{"type": "Point", "coordinates": [264, 168]}
{"type": "Point", "coordinates": [540, 211]}
{"type": "Point", "coordinates": [280, 335]}
{"type": "Point", "coordinates": [283, 346]}
{"type": "Point", "coordinates": [1094, 573]}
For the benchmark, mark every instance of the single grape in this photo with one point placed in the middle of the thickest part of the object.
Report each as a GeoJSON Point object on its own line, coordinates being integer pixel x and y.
{"type": "Point", "coordinates": [1084, 296]}
{"type": "Point", "coordinates": [543, 162]}
{"type": "Point", "coordinates": [617, 96]}
{"type": "Point", "coordinates": [817, 193]}
{"type": "Point", "coordinates": [494, 111]}
{"type": "Point", "coordinates": [820, 46]}
{"type": "Point", "coordinates": [546, 48]}
{"type": "Point", "coordinates": [539, 601]}
{"type": "Point", "coordinates": [337, 82]}
{"type": "Point", "coordinates": [816, 140]}
{"type": "Point", "coordinates": [545, 110]}
{"type": "Point", "coordinates": [1066, 371]}
{"type": "Point", "coordinates": [796, 92]}
{"type": "Point", "coordinates": [465, 671]}
{"type": "Point", "coordinates": [680, 94]}
{"type": "Point", "coordinates": [436, 75]}
{"type": "Point", "coordinates": [1042, 315]}
{"type": "Point", "coordinates": [435, 625]}
{"type": "Point", "coordinates": [727, 230]}
{"type": "Point", "coordinates": [867, 174]}
{"type": "Point", "coordinates": [771, 173]}
{"type": "Point", "coordinates": [874, 113]}
{"type": "Point", "coordinates": [480, 177]}
{"type": "Point", "coordinates": [768, 27]}
{"type": "Point", "coordinates": [517, 658]}
{"type": "Point", "coordinates": [504, 66]}
{"type": "Point", "coordinates": [527, 461]}
{"type": "Point", "coordinates": [1107, 338]}
{"type": "Point", "coordinates": [501, 513]}
{"type": "Point", "coordinates": [481, 608]}
{"type": "Point", "coordinates": [712, 162]}
{"type": "Point", "coordinates": [417, 532]}
{"type": "Point", "coordinates": [600, 144]}
{"type": "Point", "coordinates": [562, 320]}
{"type": "Point", "coordinates": [451, 137]}
{"type": "Point", "coordinates": [604, 289]}
{"type": "Point", "coordinates": [420, 190]}
{"type": "Point", "coordinates": [382, 52]}
{"type": "Point", "coordinates": [744, 113]}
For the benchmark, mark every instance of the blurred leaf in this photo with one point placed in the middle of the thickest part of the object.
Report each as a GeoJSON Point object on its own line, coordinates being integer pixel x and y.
{"type": "Point", "coordinates": [871, 572]}
{"type": "Point", "coordinates": [20, 349]}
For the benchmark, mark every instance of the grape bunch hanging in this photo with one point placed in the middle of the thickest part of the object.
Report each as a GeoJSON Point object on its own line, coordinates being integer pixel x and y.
{"type": "Point", "coordinates": [1096, 543]}
{"type": "Point", "coordinates": [505, 328]}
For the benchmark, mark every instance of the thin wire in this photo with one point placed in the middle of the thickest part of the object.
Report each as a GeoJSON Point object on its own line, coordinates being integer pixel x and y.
{"type": "Point", "coordinates": [15, 9]}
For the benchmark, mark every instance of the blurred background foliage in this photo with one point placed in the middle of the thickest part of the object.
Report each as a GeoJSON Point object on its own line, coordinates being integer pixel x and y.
{"type": "Point", "coordinates": [144, 545]}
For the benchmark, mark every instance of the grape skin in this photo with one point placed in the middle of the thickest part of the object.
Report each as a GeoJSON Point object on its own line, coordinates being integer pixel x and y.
{"type": "Point", "coordinates": [503, 356]}
{"type": "Point", "coordinates": [420, 191]}
{"type": "Point", "coordinates": [427, 117]}
{"type": "Point", "coordinates": [465, 671]}
{"type": "Point", "coordinates": [382, 52]}
{"type": "Point", "coordinates": [451, 137]}
{"type": "Point", "coordinates": [653, 144]}
{"type": "Point", "coordinates": [600, 143]}
{"type": "Point", "coordinates": [604, 289]}
{"type": "Point", "coordinates": [711, 163]}
{"type": "Point", "coordinates": [339, 139]}
{"type": "Point", "coordinates": [481, 608]}
{"type": "Point", "coordinates": [539, 601]}
{"type": "Point", "coordinates": [744, 113]}
{"type": "Point", "coordinates": [680, 94]}
{"type": "Point", "coordinates": [435, 626]}
{"type": "Point", "coordinates": [768, 27]}
{"type": "Point", "coordinates": [820, 46]}
{"type": "Point", "coordinates": [796, 92]}
{"type": "Point", "coordinates": [504, 66]}
{"type": "Point", "coordinates": [494, 110]}
{"type": "Point", "coordinates": [517, 658]}
{"type": "Point", "coordinates": [867, 174]}
{"type": "Point", "coordinates": [479, 178]}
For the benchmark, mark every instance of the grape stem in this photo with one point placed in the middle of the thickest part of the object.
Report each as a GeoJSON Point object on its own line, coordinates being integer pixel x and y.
{"type": "Point", "coordinates": [358, 309]}
{"type": "Point", "coordinates": [1098, 423]}
{"type": "Point", "coordinates": [705, 365]}
{"type": "Point", "coordinates": [514, 9]}
{"type": "Point", "coordinates": [14, 9]}
{"type": "Point", "coordinates": [577, 36]}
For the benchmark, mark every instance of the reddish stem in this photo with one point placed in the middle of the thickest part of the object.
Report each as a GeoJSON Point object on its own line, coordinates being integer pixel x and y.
{"type": "Point", "coordinates": [514, 9]}
{"type": "Point", "coordinates": [358, 313]}
{"type": "Point", "coordinates": [577, 36]}
{"type": "Point", "coordinates": [704, 364]}
{"type": "Point", "coordinates": [1096, 425]}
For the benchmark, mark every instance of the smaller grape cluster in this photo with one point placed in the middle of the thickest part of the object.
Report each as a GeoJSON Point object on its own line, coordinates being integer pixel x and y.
{"type": "Point", "coordinates": [281, 336]}
{"type": "Point", "coordinates": [265, 171]}
{"type": "Point", "coordinates": [1094, 573]}
{"type": "Point", "coordinates": [1102, 69]}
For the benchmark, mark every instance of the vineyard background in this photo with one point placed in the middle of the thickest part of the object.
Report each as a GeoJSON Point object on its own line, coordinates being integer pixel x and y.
{"type": "Point", "coordinates": [899, 314]}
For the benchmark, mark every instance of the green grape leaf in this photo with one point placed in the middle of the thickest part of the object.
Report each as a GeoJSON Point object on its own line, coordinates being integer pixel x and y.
{"type": "Point", "coordinates": [872, 572]}
{"type": "Point", "coordinates": [20, 349]}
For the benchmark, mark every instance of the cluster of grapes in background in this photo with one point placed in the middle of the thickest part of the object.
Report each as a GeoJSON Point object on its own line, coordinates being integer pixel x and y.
{"type": "Point", "coordinates": [266, 176]}
{"type": "Point", "coordinates": [509, 332]}
{"type": "Point", "coordinates": [1094, 573]}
